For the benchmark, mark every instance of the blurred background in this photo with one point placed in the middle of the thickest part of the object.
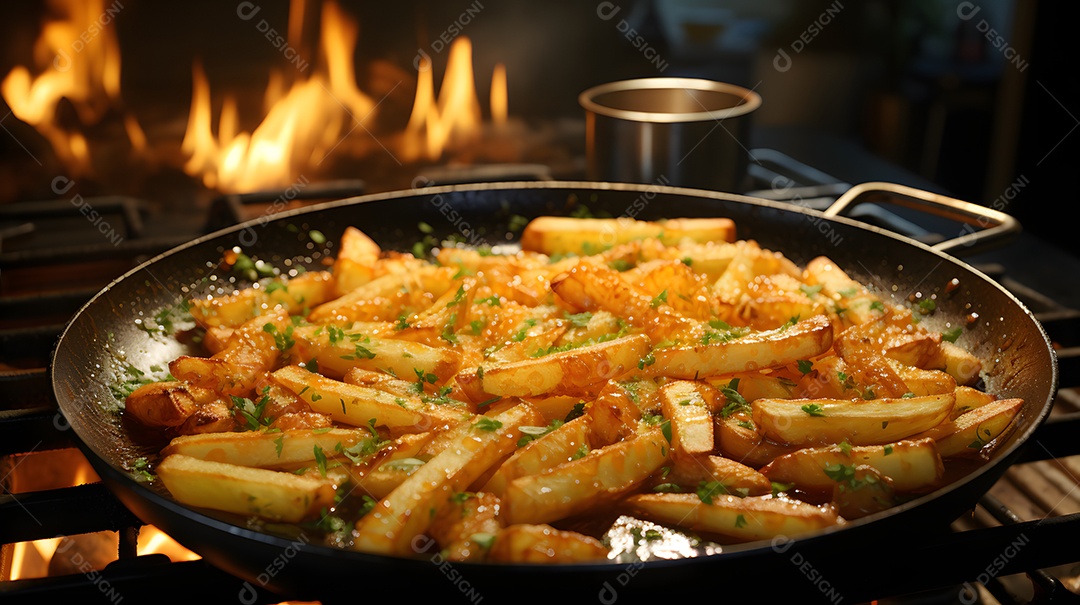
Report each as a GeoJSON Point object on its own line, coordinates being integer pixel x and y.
{"type": "Point", "coordinates": [976, 99]}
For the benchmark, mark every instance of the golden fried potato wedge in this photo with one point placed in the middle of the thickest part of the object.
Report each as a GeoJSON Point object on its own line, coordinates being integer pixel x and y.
{"type": "Point", "coordinates": [294, 294]}
{"type": "Point", "coordinates": [336, 351]}
{"type": "Point", "coordinates": [566, 372]}
{"type": "Point", "coordinates": [746, 519]}
{"type": "Point", "coordinates": [688, 405]}
{"type": "Point", "coordinates": [559, 445]}
{"type": "Point", "coordinates": [735, 477]}
{"type": "Point", "coordinates": [264, 449]}
{"type": "Point", "coordinates": [354, 405]}
{"type": "Point", "coordinates": [739, 441]}
{"type": "Point", "coordinates": [273, 495]}
{"type": "Point", "coordinates": [582, 236]}
{"type": "Point", "coordinates": [913, 465]}
{"type": "Point", "coordinates": [253, 349]}
{"type": "Point", "coordinates": [526, 543]}
{"type": "Point", "coordinates": [972, 431]}
{"type": "Point", "coordinates": [407, 511]}
{"type": "Point", "coordinates": [577, 486]}
{"type": "Point", "coordinates": [354, 265]}
{"type": "Point", "coordinates": [163, 404]}
{"type": "Point", "coordinates": [805, 339]}
{"type": "Point", "coordinates": [869, 422]}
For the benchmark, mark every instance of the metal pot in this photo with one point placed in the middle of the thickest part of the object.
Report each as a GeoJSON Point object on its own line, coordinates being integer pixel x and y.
{"type": "Point", "coordinates": [681, 132]}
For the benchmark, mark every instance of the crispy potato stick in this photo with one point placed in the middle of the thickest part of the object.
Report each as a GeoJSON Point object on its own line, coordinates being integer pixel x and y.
{"type": "Point", "coordinates": [688, 405]}
{"type": "Point", "coordinates": [737, 478]}
{"type": "Point", "coordinates": [566, 372]}
{"type": "Point", "coordinates": [589, 286]}
{"type": "Point", "coordinates": [524, 543]}
{"type": "Point", "coordinates": [756, 351]}
{"type": "Point", "coordinates": [465, 526]}
{"type": "Point", "coordinates": [575, 487]}
{"type": "Point", "coordinates": [743, 444]}
{"type": "Point", "coordinates": [337, 351]}
{"type": "Point", "coordinates": [972, 431]}
{"type": "Point", "coordinates": [563, 235]}
{"type": "Point", "coordinates": [274, 495]}
{"type": "Point", "coordinates": [293, 294]}
{"type": "Point", "coordinates": [861, 306]}
{"type": "Point", "coordinates": [263, 449]}
{"type": "Point", "coordinates": [924, 382]}
{"type": "Point", "coordinates": [695, 298]}
{"type": "Point", "coordinates": [828, 421]}
{"type": "Point", "coordinates": [354, 405]}
{"type": "Point", "coordinates": [613, 414]}
{"type": "Point", "coordinates": [559, 445]}
{"type": "Point", "coordinates": [860, 348]}
{"type": "Point", "coordinates": [913, 465]}
{"type": "Point", "coordinates": [750, 518]}
{"type": "Point", "coordinates": [253, 349]}
{"type": "Point", "coordinates": [408, 510]}
{"type": "Point", "coordinates": [386, 296]}
{"type": "Point", "coordinates": [355, 262]}
{"type": "Point", "coordinates": [960, 364]}
{"type": "Point", "coordinates": [969, 398]}
{"type": "Point", "coordinates": [390, 466]}
{"type": "Point", "coordinates": [161, 404]}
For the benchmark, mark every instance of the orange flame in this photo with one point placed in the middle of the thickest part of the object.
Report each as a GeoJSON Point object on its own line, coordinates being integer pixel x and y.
{"type": "Point", "coordinates": [454, 120]}
{"type": "Point", "coordinates": [301, 126]}
{"type": "Point", "coordinates": [78, 58]}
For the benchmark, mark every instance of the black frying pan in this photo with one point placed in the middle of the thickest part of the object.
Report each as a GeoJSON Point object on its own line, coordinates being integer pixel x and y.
{"type": "Point", "coordinates": [105, 337]}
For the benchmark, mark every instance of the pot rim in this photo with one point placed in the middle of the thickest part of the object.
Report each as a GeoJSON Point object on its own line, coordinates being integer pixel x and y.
{"type": "Point", "coordinates": [751, 100]}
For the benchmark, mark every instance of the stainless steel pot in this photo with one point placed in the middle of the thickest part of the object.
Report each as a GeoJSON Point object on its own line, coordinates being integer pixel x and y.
{"type": "Point", "coordinates": [680, 132]}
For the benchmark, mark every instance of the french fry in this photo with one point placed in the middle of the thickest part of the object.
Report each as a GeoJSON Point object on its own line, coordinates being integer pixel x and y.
{"type": "Point", "coordinates": [337, 351]}
{"type": "Point", "coordinates": [574, 487]}
{"type": "Point", "coordinates": [274, 495]}
{"type": "Point", "coordinates": [408, 510]}
{"type": "Point", "coordinates": [735, 477]}
{"type": "Point", "coordinates": [768, 349]}
{"type": "Point", "coordinates": [560, 445]}
{"type": "Point", "coordinates": [826, 421]}
{"type": "Point", "coordinates": [263, 449]}
{"type": "Point", "coordinates": [293, 294]}
{"type": "Point", "coordinates": [563, 235]}
{"type": "Point", "coordinates": [688, 406]}
{"type": "Point", "coordinates": [566, 372]}
{"type": "Point", "coordinates": [974, 430]}
{"type": "Point", "coordinates": [525, 543]}
{"type": "Point", "coordinates": [354, 265]}
{"type": "Point", "coordinates": [613, 414]}
{"type": "Point", "coordinates": [741, 443]}
{"type": "Point", "coordinates": [253, 349]}
{"type": "Point", "coordinates": [745, 519]}
{"type": "Point", "coordinates": [354, 405]}
{"type": "Point", "coordinates": [913, 465]}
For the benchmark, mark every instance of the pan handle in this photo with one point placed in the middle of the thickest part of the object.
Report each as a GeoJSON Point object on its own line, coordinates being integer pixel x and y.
{"type": "Point", "coordinates": [983, 227]}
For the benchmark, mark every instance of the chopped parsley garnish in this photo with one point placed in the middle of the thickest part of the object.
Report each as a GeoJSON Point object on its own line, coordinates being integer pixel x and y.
{"type": "Point", "coordinates": [658, 300]}
{"type": "Point", "coordinates": [282, 340]}
{"type": "Point", "coordinates": [805, 366]}
{"type": "Point", "coordinates": [813, 409]}
{"type": "Point", "coordinates": [579, 320]}
{"type": "Point", "coordinates": [735, 402]}
{"type": "Point", "coordinates": [487, 424]}
{"type": "Point", "coordinates": [251, 412]}
{"type": "Point", "coordinates": [952, 334]}
{"type": "Point", "coordinates": [707, 490]}
{"type": "Point", "coordinates": [575, 412]}
{"type": "Point", "coordinates": [810, 291]}
{"type": "Point", "coordinates": [648, 360]}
